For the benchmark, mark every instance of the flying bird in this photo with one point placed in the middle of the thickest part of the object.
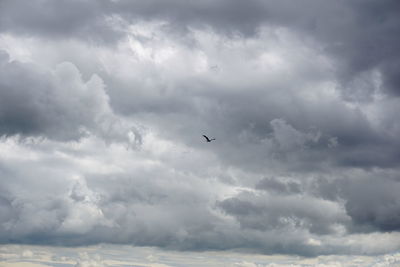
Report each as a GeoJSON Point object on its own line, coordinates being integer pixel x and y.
{"type": "Point", "coordinates": [208, 139]}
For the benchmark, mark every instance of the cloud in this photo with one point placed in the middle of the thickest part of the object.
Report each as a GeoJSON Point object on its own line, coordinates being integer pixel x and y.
{"type": "Point", "coordinates": [57, 104]}
{"type": "Point", "coordinates": [369, 198]}
{"type": "Point", "coordinates": [359, 40]}
{"type": "Point", "coordinates": [374, 203]}
{"type": "Point", "coordinates": [64, 19]}
{"type": "Point", "coordinates": [274, 185]}
{"type": "Point", "coordinates": [86, 261]}
{"type": "Point", "coordinates": [81, 200]}
{"type": "Point", "coordinates": [264, 212]}
{"type": "Point", "coordinates": [108, 255]}
{"type": "Point", "coordinates": [302, 103]}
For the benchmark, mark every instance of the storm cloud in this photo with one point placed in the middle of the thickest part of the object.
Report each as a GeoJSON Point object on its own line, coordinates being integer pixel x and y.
{"type": "Point", "coordinates": [103, 105]}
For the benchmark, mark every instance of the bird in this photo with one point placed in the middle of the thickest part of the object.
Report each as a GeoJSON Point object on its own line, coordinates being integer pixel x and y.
{"type": "Point", "coordinates": [208, 139]}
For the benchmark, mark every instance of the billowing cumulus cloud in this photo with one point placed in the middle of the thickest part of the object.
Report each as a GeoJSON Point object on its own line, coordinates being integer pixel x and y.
{"type": "Point", "coordinates": [54, 103]}
{"type": "Point", "coordinates": [103, 105]}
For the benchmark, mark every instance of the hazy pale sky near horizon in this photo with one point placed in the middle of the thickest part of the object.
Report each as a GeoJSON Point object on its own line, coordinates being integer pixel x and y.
{"type": "Point", "coordinates": [103, 105]}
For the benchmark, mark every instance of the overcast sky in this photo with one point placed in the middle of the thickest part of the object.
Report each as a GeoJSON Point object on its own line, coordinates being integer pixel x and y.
{"type": "Point", "coordinates": [103, 105]}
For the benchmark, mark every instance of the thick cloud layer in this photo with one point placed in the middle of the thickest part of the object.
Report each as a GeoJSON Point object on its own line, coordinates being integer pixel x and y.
{"type": "Point", "coordinates": [55, 104]}
{"type": "Point", "coordinates": [362, 35]}
{"type": "Point", "coordinates": [103, 105]}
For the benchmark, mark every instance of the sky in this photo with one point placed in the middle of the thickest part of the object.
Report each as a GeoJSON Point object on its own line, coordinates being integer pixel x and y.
{"type": "Point", "coordinates": [103, 105]}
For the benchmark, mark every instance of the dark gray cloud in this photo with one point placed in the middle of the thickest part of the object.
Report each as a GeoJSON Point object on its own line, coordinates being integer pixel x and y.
{"type": "Point", "coordinates": [373, 204]}
{"type": "Point", "coordinates": [157, 203]}
{"type": "Point", "coordinates": [362, 35]}
{"type": "Point", "coordinates": [277, 186]}
{"type": "Point", "coordinates": [302, 102]}
{"type": "Point", "coordinates": [264, 212]}
{"type": "Point", "coordinates": [57, 104]}
{"type": "Point", "coordinates": [62, 19]}
{"type": "Point", "coordinates": [369, 199]}
{"type": "Point", "coordinates": [78, 19]}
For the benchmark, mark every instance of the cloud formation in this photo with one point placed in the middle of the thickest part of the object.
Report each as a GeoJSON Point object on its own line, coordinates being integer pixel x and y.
{"type": "Point", "coordinates": [103, 104]}
{"type": "Point", "coordinates": [54, 103]}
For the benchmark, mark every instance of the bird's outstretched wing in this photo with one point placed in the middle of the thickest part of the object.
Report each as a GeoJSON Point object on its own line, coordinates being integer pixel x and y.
{"type": "Point", "coordinates": [208, 139]}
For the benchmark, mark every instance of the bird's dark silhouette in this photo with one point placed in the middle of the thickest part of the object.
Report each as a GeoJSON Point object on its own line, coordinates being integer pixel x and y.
{"type": "Point", "coordinates": [208, 139]}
